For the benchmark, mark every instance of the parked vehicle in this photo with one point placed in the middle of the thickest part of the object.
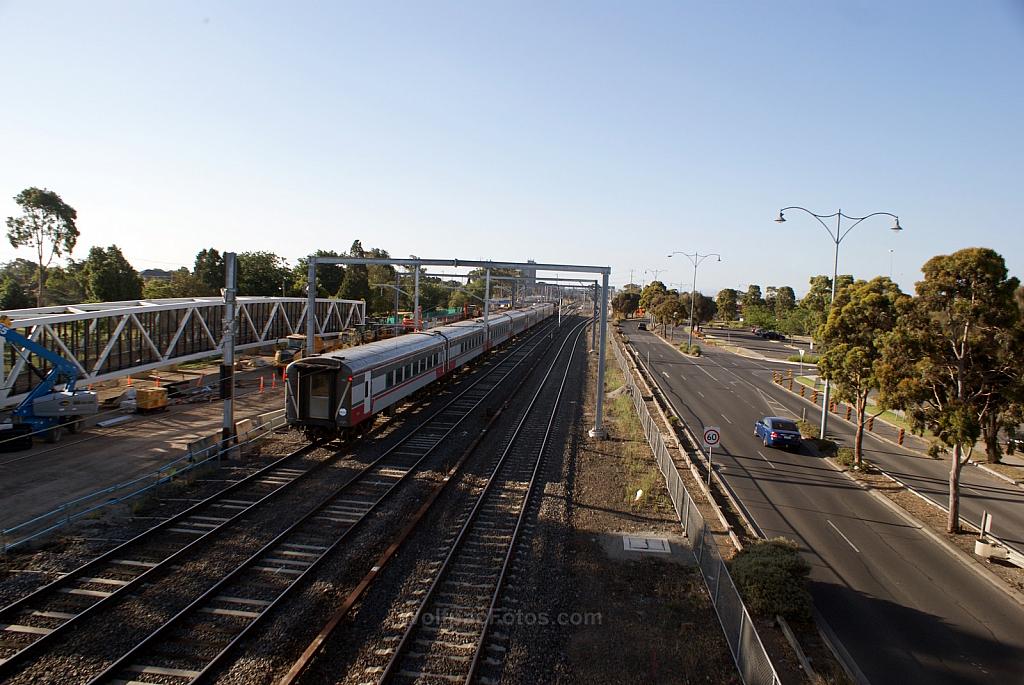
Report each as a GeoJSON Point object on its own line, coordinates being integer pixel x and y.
{"type": "Point", "coordinates": [776, 431]}
{"type": "Point", "coordinates": [772, 335]}
{"type": "Point", "coordinates": [641, 327]}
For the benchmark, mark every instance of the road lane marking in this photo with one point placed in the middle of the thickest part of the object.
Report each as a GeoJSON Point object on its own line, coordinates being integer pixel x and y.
{"type": "Point", "coordinates": [665, 374]}
{"type": "Point", "coordinates": [765, 458]}
{"type": "Point", "coordinates": [701, 395]}
{"type": "Point", "coordinates": [726, 418]}
{"type": "Point", "coordinates": [843, 536]}
{"type": "Point", "coordinates": [705, 371]}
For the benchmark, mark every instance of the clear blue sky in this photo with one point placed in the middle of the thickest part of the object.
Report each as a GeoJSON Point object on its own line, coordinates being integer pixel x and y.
{"type": "Point", "coordinates": [570, 132]}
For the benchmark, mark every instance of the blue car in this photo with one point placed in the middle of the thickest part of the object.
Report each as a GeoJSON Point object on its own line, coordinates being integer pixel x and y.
{"type": "Point", "coordinates": [776, 431]}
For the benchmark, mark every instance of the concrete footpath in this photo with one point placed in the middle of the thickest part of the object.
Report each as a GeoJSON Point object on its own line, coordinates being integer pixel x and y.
{"type": "Point", "coordinates": [38, 480]}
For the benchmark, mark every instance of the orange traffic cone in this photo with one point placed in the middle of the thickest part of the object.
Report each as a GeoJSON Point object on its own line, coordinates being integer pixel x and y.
{"type": "Point", "coordinates": [158, 381]}
{"type": "Point", "coordinates": [261, 383]}
{"type": "Point", "coordinates": [129, 381]}
{"type": "Point", "coordinates": [273, 382]}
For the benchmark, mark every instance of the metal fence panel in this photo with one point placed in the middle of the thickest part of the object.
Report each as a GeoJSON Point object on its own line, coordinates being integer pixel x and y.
{"type": "Point", "coordinates": [752, 661]}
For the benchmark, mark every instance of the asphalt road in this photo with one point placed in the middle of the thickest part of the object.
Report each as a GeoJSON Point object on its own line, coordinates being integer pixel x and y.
{"type": "Point", "coordinates": [905, 609]}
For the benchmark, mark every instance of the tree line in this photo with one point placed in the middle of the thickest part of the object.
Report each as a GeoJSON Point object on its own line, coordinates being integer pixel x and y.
{"type": "Point", "coordinates": [951, 356]}
{"type": "Point", "coordinates": [48, 225]}
{"type": "Point", "coordinates": [777, 308]}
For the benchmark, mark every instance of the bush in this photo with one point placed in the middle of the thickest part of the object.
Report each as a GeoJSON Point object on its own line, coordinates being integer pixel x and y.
{"type": "Point", "coordinates": [808, 359]}
{"type": "Point", "coordinates": [807, 429]}
{"type": "Point", "coordinates": [693, 349]}
{"type": "Point", "coordinates": [844, 457]}
{"type": "Point", "coordinates": [772, 578]}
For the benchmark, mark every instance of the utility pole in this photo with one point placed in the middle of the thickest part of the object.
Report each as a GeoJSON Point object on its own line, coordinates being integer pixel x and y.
{"type": "Point", "coordinates": [227, 367]}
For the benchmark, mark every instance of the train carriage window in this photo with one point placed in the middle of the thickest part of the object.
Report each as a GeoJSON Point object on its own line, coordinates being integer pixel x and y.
{"type": "Point", "coordinates": [409, 372]}
{"type": "Point", "coordinates": [389, 379]}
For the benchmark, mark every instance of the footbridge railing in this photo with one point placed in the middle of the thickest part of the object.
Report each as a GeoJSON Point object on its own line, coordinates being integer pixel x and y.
{"type": "Point", "coordinates": [113, 339]}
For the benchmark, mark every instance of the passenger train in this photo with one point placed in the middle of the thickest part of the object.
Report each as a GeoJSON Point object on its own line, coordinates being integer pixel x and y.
{"type": "Point", "coordinates": [339, 393]}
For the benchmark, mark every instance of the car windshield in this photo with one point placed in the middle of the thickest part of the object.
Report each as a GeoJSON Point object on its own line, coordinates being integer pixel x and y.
{"type": "Point", "coordinates": [784, 425]}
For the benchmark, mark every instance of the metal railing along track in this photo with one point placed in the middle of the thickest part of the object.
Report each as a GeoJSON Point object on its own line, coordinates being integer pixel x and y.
{"type": "Point", "coordinates": [31, 623]}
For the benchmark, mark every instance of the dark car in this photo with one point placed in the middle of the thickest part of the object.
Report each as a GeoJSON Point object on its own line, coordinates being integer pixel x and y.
{"type": "Point", "coordinates": [773, 335]}
{"type": "Point", "coordinates": [776, 431]}
{"type": "Point", "coordinates": [641, 327]}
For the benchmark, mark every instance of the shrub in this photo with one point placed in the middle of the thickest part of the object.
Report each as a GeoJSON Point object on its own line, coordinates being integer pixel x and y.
{"type": "Point", "coordinates": [772, 578]}
{"type": "Point", "coordinates": [844, 457]}
{"type": "Point", "coordinates": [807, 429]}
{"type": "Point", "coordinates": [809, 359]}
{"type": "Point", "coordinates": [693, 349]}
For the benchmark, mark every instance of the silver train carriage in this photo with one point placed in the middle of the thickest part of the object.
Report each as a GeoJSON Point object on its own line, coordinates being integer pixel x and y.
{"type": "Point", "coordinates": [340, 392]}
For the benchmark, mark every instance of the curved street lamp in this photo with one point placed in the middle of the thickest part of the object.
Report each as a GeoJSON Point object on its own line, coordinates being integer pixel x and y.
{"type": "Point", "coordinates": [837, 237]}
{"type": "Point", "coordinates": [695, 258]}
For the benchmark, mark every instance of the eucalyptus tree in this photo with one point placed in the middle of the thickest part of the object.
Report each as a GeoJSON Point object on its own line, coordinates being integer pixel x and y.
{"type": "Point", "coordinates": [946, 362]}
{"type": "Point", "coordinates": [862, 314]}
{"type": "Point", "coordinates": [47, 224]}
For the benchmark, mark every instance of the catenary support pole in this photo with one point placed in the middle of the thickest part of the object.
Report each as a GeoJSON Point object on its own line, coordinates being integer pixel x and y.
{"type": "Point", "coordinates": [593, 329]}
{"type": "Point", "coordinates": [227, 367]}
{"type": "Point", "coordinates": [311, 307]}
{"type": "Point", "coordinates": [416, 319]}
{"type": "Point", "coordinates": [398, 285]}
{"type": "Point", "coordinates": [487, 295]}
{"type": "Point", "coordinates": [598, 430]}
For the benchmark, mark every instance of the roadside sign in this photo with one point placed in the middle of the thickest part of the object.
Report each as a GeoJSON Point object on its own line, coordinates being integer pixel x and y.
{"type": "Point", "coordinates": [712, 436]}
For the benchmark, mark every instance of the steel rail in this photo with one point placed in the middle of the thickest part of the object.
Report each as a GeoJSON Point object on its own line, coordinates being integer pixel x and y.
{"type": "Point", "coordinates": [63, 588]}
{"type": "Point", "coordinates": [456, 547]}
{"type": "Point", "coordinates": [301, 664]}
{"type": "Point", "coordinates": [284, 560]}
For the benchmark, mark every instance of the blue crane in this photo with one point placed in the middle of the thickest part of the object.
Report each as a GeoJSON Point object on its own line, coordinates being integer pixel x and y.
{"type": "Point", "coordinates": [45, 410]}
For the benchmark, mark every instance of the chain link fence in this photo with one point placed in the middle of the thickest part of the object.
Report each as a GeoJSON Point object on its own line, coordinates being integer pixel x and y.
{"type": "Point", "coordinates": [748, 651]}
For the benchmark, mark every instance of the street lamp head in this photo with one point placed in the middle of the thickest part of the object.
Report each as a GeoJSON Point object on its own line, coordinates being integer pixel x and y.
{"type": "Point", "coordinates": [719, 258]}
{"type": "Point", "coordinates": [781, 219]}
{"type": "Point", "coordinates": [897, 227]}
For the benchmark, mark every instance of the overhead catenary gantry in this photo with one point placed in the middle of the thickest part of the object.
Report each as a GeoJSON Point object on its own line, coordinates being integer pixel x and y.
{"type": "Point", "coordinates": [416, 264]}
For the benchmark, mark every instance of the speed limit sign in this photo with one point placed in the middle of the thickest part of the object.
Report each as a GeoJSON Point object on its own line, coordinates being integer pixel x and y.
{"type": "Point", "coordinates": [712, 436]}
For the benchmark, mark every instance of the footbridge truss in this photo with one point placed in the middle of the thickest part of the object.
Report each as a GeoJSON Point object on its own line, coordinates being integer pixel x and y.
{"type": "Point", "coordinates": [113, 339]}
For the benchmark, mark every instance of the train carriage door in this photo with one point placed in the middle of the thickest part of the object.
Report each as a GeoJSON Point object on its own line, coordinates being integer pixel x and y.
{"type": "Point", "coordinates": [367, 397]}
{"type": "Point", "coordinates": [319, 384]}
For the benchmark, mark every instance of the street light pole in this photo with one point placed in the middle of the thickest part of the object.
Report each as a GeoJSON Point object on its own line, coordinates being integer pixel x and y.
{"type": "Point", "coordinates": [696, 258]}
{"type": "Point", "coordinates": [837, 237]}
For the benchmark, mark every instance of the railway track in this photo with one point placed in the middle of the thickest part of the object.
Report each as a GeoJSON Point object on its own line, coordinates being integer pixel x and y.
{"type": "Point", "coordinates": [29, 625]}
{"type": "Point", "coordinates": [444, 639]}
{"type": "Point", "coordinates": [485, 514]}
{"type": "Point", "coordinates": [198, 639]}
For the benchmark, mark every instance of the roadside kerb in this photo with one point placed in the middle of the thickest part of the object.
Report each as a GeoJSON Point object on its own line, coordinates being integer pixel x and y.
{"type": "Point", "coordinates": [690, 455]}
{"type": "Point", "coordinates": [752, 661]}
{"type": "Point", "coordinates": [828, 635]}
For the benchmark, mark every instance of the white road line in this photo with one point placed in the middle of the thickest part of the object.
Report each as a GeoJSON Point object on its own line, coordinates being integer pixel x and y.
{"type": "Point", "coordinates": [843, 536]}
{"type": "Point", "coordinates": [766, 459]}
{"type": "Point", "coordinates": [682, 376]}
{"type": "Point", "coordinates": [705, 371]}
{"type": "Point", "coordinates": [665, 374]}
{"type": "Point", "coordinates": [726, 418]}
{"type": "Point", "coordinates": [701, 395]}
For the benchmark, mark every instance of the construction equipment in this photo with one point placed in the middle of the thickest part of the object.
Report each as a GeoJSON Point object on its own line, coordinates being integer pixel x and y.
{"type": "Point", "coordinates": [45, 410]}
{"type": "Point", "coordinates": [295, 347]}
